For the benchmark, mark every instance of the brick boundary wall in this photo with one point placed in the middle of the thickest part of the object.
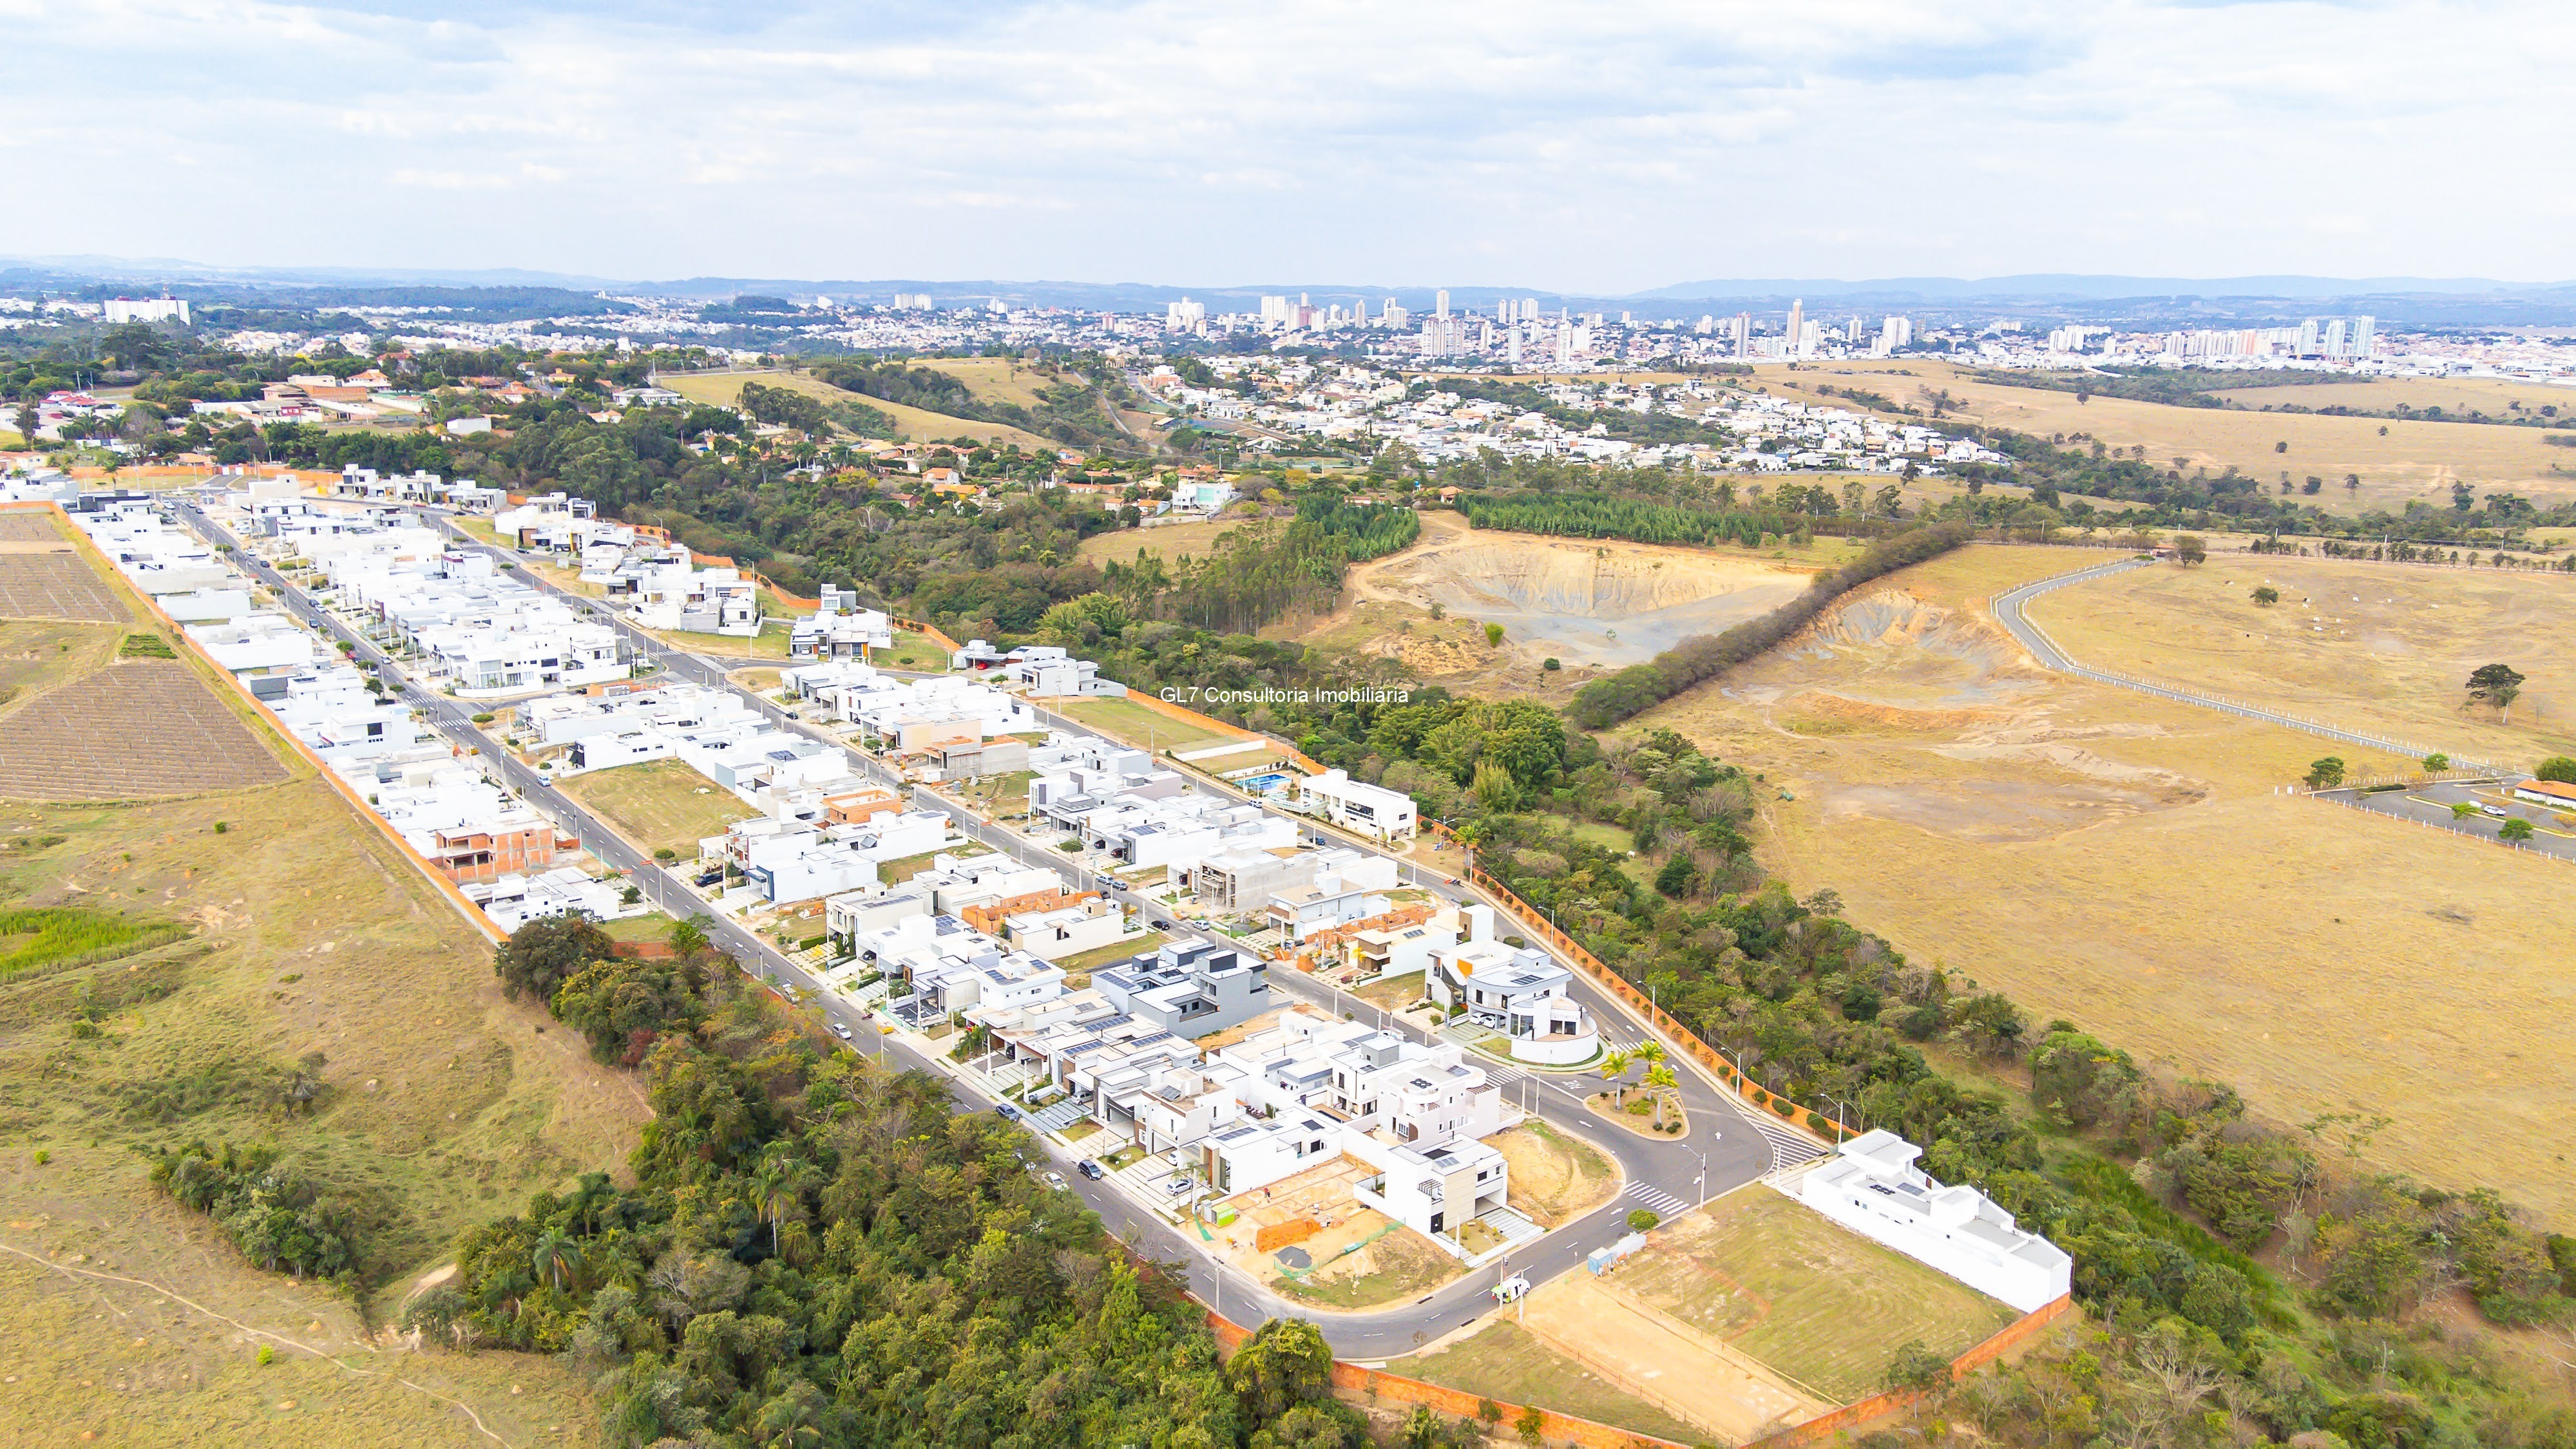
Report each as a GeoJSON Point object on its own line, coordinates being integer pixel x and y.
{"type": "Point", "coordinates": [447, 888]}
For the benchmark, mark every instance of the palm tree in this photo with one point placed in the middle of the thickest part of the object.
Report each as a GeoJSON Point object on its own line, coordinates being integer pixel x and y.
{"type": "Point", "coordinates": [1614, 1070]}
{"type": "Point", "coordinates": [689, 937]}
{"type": "Point", "coordinates": [555, 1257]}
{"type": "Point", "coordinates": [1660, 1080]}
{"type": "Point", "coordinates": [1650, 1052]}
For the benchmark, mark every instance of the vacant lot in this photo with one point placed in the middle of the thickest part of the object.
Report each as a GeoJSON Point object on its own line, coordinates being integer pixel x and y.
{"type": "Point", "coordinates": [313, 943]}
{"type": "Point", "coordinates": [2387, 648]}
{"type": "Point", "coordinates": [1554, 1177]}
{"type": "Point", "coordinates": [2125, 862]}
{"type": "Point", "coordinates": [917, 424]}
{"type": "Point", "coordinates": [55, 586]}
{"type": "Point", "coordinates": [142, 727]}
{"type": "Point", "coordinates": [31, 525]}
{"type": "Point", "coordinates": [1804, 1295]}
{"type": "Point", "coordinates": [1136, 724]}
{"type": "Point", "coordinates": [660, 804]}
{"type": "Point", "coordinates": [2398, 459]}
{"type": "Point", "coordinates": [2493, 396]}
{"type": "Point", "coordinates": [1505, 1363]}
{"type": "Point", "coordinates": [1170, 541]}
{"type": "Point", "coordinates": [915, 651]}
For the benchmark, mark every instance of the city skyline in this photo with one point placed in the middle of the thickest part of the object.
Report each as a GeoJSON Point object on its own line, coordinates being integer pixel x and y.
{"type": "Point", "coordinates": [1592, 155]}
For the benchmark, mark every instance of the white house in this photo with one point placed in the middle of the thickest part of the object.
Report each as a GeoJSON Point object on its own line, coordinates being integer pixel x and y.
{"type": "Point", "coordinates": [1518, 992]}
{"type": "Point", "coordinates": [1370, 810]}
{"type": "Point", "coordinates": [1872, 1187]}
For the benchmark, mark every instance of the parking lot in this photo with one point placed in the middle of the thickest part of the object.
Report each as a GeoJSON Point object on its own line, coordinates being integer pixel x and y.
{"type": "Point", "coordinates": [2553, 832]}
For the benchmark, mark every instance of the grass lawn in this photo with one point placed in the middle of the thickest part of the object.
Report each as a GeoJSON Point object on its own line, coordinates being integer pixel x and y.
{"type": "Point", "coordinates": [1506, 1364]}
{"type": "Point", "coordinates": [1111, 954]}
{"type": "Point", "coordinates": [1402, 1265]}
{"type": "Point", "coordinates": [1392, 993]}
{"type": "Point", "coordinates": [915, 651]}
{"type": "Point", "coordinates": [1136, 724]}
{"type": "Point", "coordinates": [997, 795]}
{"type": "Point", "coordinates": [1806, 1296]}
{"type": "Point", "coordinates": [770, 643]}
{"type": "Point", "coordinates": [660, 804]}
{"type": "Point", "coordinates": [651, 926]}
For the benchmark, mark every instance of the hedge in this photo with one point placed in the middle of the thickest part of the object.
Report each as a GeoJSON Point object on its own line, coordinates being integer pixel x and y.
{"type": "Point", "coordinates": [1702, 657]}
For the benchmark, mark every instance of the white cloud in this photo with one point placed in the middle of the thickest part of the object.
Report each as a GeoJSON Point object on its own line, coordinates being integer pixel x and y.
{"type": "Point", "coordinates": [1596, 148]}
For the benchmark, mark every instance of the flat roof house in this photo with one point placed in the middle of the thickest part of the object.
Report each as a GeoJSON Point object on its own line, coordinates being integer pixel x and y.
{"type": "Point", "coordinates": [1190, 990]}
{"type": "Point", "coordinates": [1872, 1186]}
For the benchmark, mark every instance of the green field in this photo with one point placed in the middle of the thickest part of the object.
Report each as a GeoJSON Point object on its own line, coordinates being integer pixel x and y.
{"type": "Point", "coordinates": [1136, 724]}
{"type": "Point", "coordinates": [660, 804]}
{"type": "Point", "coordinates": [915, 651]}
{"type": "Point", "coordinates": [1506, 1364]}
{"type": "Point", "coordinates": [1806, 1296]}
{"type": "Point", "coordinates": [1111, 954]}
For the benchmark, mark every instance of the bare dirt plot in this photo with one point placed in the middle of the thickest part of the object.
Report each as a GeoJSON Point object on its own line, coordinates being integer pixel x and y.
{"type": "Point", "coordinates": [1804, 1295]}
{"type": "Point", "coordinates": [1583, 600]}
{"type": "Point", "coordinates": [28, 526]}
{"type": "Point", "coordinates": [2124, 862]}
{"type": "Point", "coordinates": [1647, 1352]}
{"type": "Point", "coordinates": [55, 586]}
{"type": "Point", "coordinates": [445, 1103]}
{"type": "Point", "coordinates": [659, 804]}
{"type": "Point", "coordinates": [140, 728]}
{"type": "Point", "coordinates": [1554, 1177]}
{"type": "Point", "coordinates": [1506, 1363]}
{"type": "Point", "coordinates": [2409, 460]}
{"type": "Point", "coordinates": [2387, 648]}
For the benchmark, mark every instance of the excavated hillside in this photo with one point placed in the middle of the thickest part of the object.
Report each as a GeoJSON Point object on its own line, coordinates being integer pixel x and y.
{"type": "Point", "coordinates": [1588, 603]}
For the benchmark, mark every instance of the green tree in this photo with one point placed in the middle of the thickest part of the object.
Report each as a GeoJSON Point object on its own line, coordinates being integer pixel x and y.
{"type": "Point", "coordinates": [1614, 1070]}
{"type": "Point", "coordinates": [1531, 1426]}
{"type": "Point", "coordinates": [1283, 1364]}
{"type": "Point", "coordinates": [1660, 1081]}
{"type": "Point", "coordinates": [1917, 1366]}
{"type": "Point", "coordinates": [2189, 550]}
{"type": "Point", "coordinates": [2496, 684]}
{"type": "Point", "coordinates": [2561, 768]}
{"type": "Point", "coordinates": [1642, 1220]}
{"type": "Point", "coordinates": [2462, 810]}
{"type": "Point", "coordinates": [2326, 774]}
{"type": "Point", "coordinates": [540, 956]}
{"type": "Point", "coordinates": [1493, 636]}
{"type": "Point", "coordinates": [689, 937]}
{"type": "Point", "coordinates": [2437, 762]}
{"type": "Point", "coordinates": [1678, 877]}
{"type": "Point", "coordinates": [2516, 829]}
{"type": "Point", "coordinates": [2266, 595]}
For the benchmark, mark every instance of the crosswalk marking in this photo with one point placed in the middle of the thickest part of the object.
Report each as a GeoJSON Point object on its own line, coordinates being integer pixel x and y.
{"type": "Point", "coordinates": [1656, 1198]}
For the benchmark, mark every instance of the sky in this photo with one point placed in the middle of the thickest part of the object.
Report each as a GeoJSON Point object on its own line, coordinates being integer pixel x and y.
{"type": "Point", "coordinates": [1597, 148]}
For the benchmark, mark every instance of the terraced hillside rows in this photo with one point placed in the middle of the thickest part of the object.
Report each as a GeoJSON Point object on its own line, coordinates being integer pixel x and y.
{"type": "Point", "coordinates": [142, 727]}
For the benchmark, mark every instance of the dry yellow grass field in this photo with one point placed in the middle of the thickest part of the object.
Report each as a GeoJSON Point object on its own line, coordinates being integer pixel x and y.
{"type": "Point", "coordinates": [2389, 645]}
{"type": "Point", "coordinates": [2493, 396]}
{"type": "Point", "coordinates": [2125, 862]}
{"type": "Point", "coordinates": [2410, 460]}
{"type": "Point", "coordinates": [1170, 541]}
{"type": "Point", "coordinates": [918, 424]}
{"type": "Point", "coordinates": [994, 379]}
{"type": "Point", "coordinates": [312, 936]}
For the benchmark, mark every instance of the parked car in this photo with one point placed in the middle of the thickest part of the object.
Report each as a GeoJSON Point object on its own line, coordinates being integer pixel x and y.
{"type": "Point", "coordinates": [1178, 1185]}
{"type": "Point", "coordinates": [2497, 811]}
{"type": "Point", "coordinates": [1007, 1112]}
{"type": "Point", "coordinates": [1055, 1180]}
{"type": "Point", "coordinates": [1091, 1169]}
{"type": "Point", "coordinates": [840, 1030]}
{"type": "Point", "coordinates": [713, 877]}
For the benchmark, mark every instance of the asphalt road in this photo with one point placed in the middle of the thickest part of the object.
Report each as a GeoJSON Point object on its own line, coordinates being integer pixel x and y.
{"type": "Point", "coordinates": [2432, 804]}
{"type": "Point", "coordinates": [1725, 1148]}
{"type": "Point", "coordinates": [2009, 610]}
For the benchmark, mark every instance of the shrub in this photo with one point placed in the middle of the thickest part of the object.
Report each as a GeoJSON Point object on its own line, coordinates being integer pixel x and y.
{"type": "Point", "coordinates": [484, 718]}
{"type": "Point", "coordinates": [2514, 829]}
{"type": "Point", "coordinates": [1820, 1121]}
{"type": "Point", "coordinates": [221, 826]}
{"type": "Point", "coordinates": [1782, 1106]}
{"type": "Point", "coordinates": [1550, 664]}
{"type": "Point", "coordinates": [1759, 1096]}
{"type": "Point", "coordinates": [1638, 1108]}
{"type": "Point", "coordinates": [1642, 1220]}
{"type": "Point", "coordinates": [2561, 768]}
{"type": "Point", "coordinates": [666, 854]}
{"type": "Point", "coordinates": [266, 1356]}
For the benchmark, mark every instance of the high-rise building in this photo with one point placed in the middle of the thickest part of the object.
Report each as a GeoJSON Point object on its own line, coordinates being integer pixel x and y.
{"type": "Point", "coordinates": [1740, 332]}
{"type": "Point", "coordinates": [1810, 338]}
{"type": "Point", "coordinates": [2365, 338]}
{"type": "Point", "coordinates": [1895, 334]}
{"type": "Point", "coordinates": [1440, 303]}
{"type": "Point", "coordinates": [1796, 332]}
{"type": "Point", "coordinates": [1184, 314]}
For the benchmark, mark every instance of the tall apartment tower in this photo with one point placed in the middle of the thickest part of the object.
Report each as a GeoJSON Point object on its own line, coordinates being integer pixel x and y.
{"type": "Point", "coordinates": [1797, 322]}
{"type": "Point", "coordinates": [1740, 332]}
{"type": "Point", "coordinates": [1440, 303]}
{"type": "Point", "coordinates": [2364, 336]}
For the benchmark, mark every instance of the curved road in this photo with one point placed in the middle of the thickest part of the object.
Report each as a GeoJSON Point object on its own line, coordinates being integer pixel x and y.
{"type": "Point", "coordinates": [2009, 611]}
{"type": "Point", "coordinates": [1727, 1147]}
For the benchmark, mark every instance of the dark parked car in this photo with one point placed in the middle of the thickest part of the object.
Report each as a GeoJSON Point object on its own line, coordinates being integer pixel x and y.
{"type": "Point", "coordinates": [712, 877]}
{"type": "Point", "coordinates": [1090, 1169]}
